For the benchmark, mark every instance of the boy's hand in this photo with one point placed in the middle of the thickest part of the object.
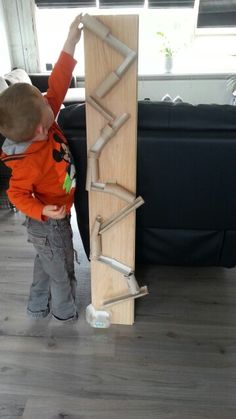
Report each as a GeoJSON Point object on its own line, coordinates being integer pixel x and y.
{"type": "Point", "coordinates": [74, 36]}
{"type": "Point", "coordinates": [74, 31]}
{"type": "Point", "coordinates": [55, 212]}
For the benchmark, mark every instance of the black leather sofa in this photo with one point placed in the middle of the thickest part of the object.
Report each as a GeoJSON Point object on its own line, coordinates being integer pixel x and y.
{"type": "Point", "coordinates": [186, 173]}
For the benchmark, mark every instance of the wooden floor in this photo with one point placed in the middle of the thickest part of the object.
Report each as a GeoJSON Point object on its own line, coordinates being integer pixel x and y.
{"type": "Point", "coordinates": [178, 361]}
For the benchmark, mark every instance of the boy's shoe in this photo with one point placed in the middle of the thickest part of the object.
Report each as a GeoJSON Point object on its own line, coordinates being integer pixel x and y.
{"type": "Point", "coordinates": [68, 320]}
{"type": "Point", "coordinates": [38, 314]}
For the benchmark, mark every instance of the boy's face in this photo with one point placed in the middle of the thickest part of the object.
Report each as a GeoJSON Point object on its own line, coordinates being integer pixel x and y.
{"type": "Point", "coordinates": [47, 118]}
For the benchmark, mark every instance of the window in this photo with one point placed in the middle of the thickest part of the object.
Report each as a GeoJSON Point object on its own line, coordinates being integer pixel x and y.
{"type": "Point", "coordinates": [52, 28]}
{"type": "Point", "coordinates": [177, 24]}
{"type": "Point", "coordinates": [221, 14]}
{"type": "Point", "coordinates": [215, 17]}
{"type": "Point", "coordinates": [193, 53]}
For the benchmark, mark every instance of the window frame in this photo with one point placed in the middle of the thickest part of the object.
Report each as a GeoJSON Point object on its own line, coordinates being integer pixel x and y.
{"type": "Point", "coordinates": [209, 31]}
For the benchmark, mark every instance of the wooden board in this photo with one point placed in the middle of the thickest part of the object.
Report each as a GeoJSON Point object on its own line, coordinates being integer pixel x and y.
{"type": "Point", "coordinates": [117, 162]}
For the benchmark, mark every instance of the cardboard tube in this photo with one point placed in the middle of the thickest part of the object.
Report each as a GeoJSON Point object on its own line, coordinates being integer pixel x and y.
{"type": "Point", "coordinates": [126, 63]}
{"type": "Point", "coordinates": [95, 26]}
{"type": "Point", "coordinates": [108, 132]}
{"type": "Point", "coordinates": [95, 239]}
{"type": "Point", "coordinates": [121, 214]}
{"type": "Point", "coordinates": [92, 169]}
{"type": "Point", "coordinates": [109, 303]}
{"type": "Point", "coordinates": [113, 189]}
{"type": "Point", "coordinates": [119, 191]}
{"type": "Point", "coordinates": [118, 45]}
{"type": "Point", "coordinates": [115, 264]}
{"type": "Point", "coordinates": [96, 105]}
{"type": "Point", "coordinates": [107, 85]}
{"type": "Point", "coordinates": [132, 283]}
{"type": "Point", "coordinates": [119, 121]}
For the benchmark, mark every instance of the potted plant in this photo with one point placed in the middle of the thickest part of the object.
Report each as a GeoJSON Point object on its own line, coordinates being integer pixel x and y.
{"type": "Point", "coordinates": [166, 50]}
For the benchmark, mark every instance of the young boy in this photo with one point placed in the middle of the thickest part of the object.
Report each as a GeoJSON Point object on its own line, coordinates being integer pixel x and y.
{"type": "Point", "coordinates": [42, 183]}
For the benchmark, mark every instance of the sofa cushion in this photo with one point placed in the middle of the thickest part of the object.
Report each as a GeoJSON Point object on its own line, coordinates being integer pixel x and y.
{"type": "Point", "coordinates": [73, 117]}
{"type": "Point", "coordinates": [17, 76]}
{"type": "Point", "coordinates": [159, 115]}
{"type": "Point", "coordinates": [180, 247]}
{"type": "Point", "coordinates": [187, 179]}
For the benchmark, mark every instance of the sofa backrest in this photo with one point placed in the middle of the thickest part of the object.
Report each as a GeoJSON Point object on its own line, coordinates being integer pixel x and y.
{"type": "Point", "coordinates": [168, 115]}
{"type": "Point", "coordinates": [186, 173]}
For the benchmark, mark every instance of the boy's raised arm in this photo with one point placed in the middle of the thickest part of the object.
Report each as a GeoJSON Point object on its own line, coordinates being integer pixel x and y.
{"type": "Point", "coordinates": [73, 36]}
{"type": "Point", "coordinates": [60, 78]}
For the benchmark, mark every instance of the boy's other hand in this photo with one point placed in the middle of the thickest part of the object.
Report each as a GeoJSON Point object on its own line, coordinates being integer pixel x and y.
{"type": "Point", "coordinates": [55, 212]}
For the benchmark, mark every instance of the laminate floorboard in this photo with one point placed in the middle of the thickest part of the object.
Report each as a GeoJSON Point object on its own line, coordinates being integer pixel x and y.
{"type": "Point", "coordinates": [178, 361]}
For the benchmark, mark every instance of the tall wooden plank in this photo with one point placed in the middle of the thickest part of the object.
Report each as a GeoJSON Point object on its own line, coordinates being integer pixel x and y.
{"type": "Point", "coordinates": [117, 162]}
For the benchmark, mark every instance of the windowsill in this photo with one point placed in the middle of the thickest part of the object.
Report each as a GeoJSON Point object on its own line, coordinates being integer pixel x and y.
{"type": "Point", "coordinates": [174, 75]}
{"type": "Point", "coordinates": [204, 75]}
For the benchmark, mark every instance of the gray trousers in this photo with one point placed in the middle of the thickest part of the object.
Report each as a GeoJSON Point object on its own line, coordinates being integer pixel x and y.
{"type": "Point", "coordinates": [54, 278]}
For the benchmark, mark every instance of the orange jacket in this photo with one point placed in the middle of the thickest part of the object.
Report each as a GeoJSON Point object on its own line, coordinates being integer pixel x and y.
{"type": "Point", "coordinates": [43, 174]}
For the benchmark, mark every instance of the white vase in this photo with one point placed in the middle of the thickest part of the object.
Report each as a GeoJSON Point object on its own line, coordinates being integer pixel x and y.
{"type": "Point", "coordinates": [168, 63]}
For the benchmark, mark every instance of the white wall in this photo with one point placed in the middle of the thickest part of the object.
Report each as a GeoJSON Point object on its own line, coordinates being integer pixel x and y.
{"type": "Point", "coordinates": [192, 90]}
{"type": "Point", "coordinates": [5, 62]}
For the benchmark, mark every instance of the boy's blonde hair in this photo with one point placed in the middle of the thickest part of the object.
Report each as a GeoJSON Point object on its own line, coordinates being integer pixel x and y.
{"type": "Point", "coordinates": [20, 112]}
